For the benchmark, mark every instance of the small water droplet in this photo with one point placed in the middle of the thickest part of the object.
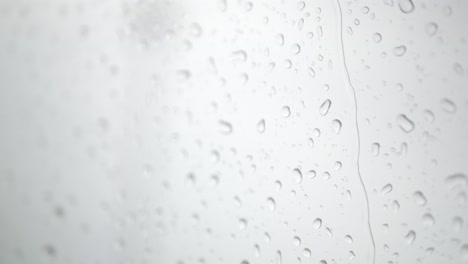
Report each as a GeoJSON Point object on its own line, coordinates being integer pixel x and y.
{"type": "Point", "coordinates": [311, 72]}
{"type": "Point", "coordinates": [399, 50]}
{"type": "Point", "coordinates": [405, 123]}
{"type": "Point", "coordinates": [278, 185]}
{"type": "Point", "coordinates": [242, 224]}
{"type": "Point", "coordinates": [271, 204]}
{"type": "Point", "coordinates": [336, 126]}
{"type": "Point", "coordinates": [325, 107]}
{"type": "Point", "coordinates": [375, 149]}
{"type": "Point", "coordinates": [317, 223]}
{"type": "Point", "coordinates": [410, 237]}
{"type": "Point", "coordinates": [376, 37]}
{"type": "Point", "coordinates": [428, 220]}
{"type": "Point", "coordinates": [285, 111]}
{"type": "Point", "coordinates": [406, 6]}
{"type": "Point", "coordinates": [431, 29]}
{"type": "Point", "coordinates": [296, 241]}
{"type": "Point", "coordinates": [311, 174]}
{"type": "Point", "coordinates": [295, 48]}
{"type": "Point", "coordinates": [448, 106]}
{"type": "Point", "coordinates": [225, 127]}
{"type": "Point", "coordinates": [419, 198]}
{"type": "Point", "coordinates": [261, 126]}
{"type": "Point", "coordinates": [348, 239]}
{"type": "Point", "coordinates": [297, 174]}
{"type": "Point", "coordinates": [457, 223]}
{"type": "Point", "coordinates": [280, 39]}
{"type": "Point", "coordinates": [386, 189]}
{"type": "Point", "coordinates": [307, 253]}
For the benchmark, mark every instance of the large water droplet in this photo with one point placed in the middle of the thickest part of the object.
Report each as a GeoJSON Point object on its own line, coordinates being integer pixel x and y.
{"type": "Point", "coordinates": [296, 241]}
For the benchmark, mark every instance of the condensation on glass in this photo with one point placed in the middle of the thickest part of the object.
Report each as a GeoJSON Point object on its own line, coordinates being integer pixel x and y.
{"type": "Point", "coordinates": [233, 131]}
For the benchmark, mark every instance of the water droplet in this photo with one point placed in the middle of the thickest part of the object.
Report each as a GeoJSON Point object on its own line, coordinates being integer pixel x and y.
{"type": "Point", "coordinates": [257, 250]}
{"type": "Point", "coordinates": [323, 262]}
{"type": "Point", "coordinates": [325, 107]}
{"type": "Point", "coordinates": [237, 202]}
{"type": "Point", "coordinates": [311, 174]}
{"type": "Point", "coordinates": [405, 124]}
{"type": "Point", "coordinates": [386, 189]}
{"type": "Point", "coordinates": [448, 106]}
{"type": "Point", "coordinates": [316, 132]}
{"type": "Point", "coordinates": [428, 220]}
{"type": "Point", "coordinates": [239, 55]}
{"type": "Point", "coordinates": [311, 142]}
{"type": "Point", "coordinates": [326, 175]}
{"type": "Point", "coordinates": [225, 127]}
{"type": "Point", "coordinates": [429, 116]}
{"type": "Point", "coordinates": [311, 72]}
{"type": "Point", "coordinates": [348, 239]}
{"type": "Point", "coordinates": [300, 5]}
{"type": "Point", "coordinates": [285, 111]}
{"type": "Point", "coordinates": [336, 126]}
{"type": "Point", "coordinates": [242, 224]}
{"type": "Point", "coordinates": [457, 179]}
{"type": "Point", "coordinates": [297, 174]}
{"type": "Point", "coordinates": [307, 253]}
{"type": "Point", "coordinates": [337, 166]}
{"type": "Point", "coordinates": [406, 6]}
{"type": "Point", "coordinates": [296, 241]}
{"type": "Point", "coordinates": [431, 29]}
{"type": "Point", "coordinates": [464, 252]}
{"type": "Point", "coordinates": [410, 237]}
{"type": "Point", "coordinates": [376, 37]}
{"type": "Point", "coordinates": [399, 50]}
{"type": "Point", "coordinates": [317, 223]}
{"type": "Point", "coordinates": [395, 206]}
{"type": "Point", "coordinates": [295, 48]}
{"type": "Point", "coordinates": [375, 149]}
{"type": "Point", "coordinates": [388, 2]}
{"type": "Point", "coordinates": [261, 126]}
{"type": "Point", "coordinates": [278, 185]}
{"type": "Point", "coordinates": [419, 198]}
{"type": "Point", "coordinates": [280, 39]}
{"type": "Point", "coordinates": [271, 204]}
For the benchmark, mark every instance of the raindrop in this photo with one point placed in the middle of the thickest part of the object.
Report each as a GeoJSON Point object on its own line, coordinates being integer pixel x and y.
{"type": "Point", "coordinates": [406, 6]}
{"type": "Point", "coordinates": [280, 39]}
{"type": "Point", "coordinates": [410, 237]}
{"type": "Point", "coordinates": [225, 127]}
{"type": "Point", "coordinates": [428, 220]}
{"type": "Point", "coordinates": [317, 223]}
{"type": "Point", "coordinates": [376, 37]}
{"type": "Point", "coordinates": [307, 253]}
{"type": "Point", "coordinates": [285, 111]}
{"type": "Point", "coordinates": [386, 189]}
{"type": "Point", "coordinates": [311, 174]}
{"type": "Point", "coordinates": [419, 198]}
{"type": "Point", "coordinates": [431, 29]}
{"type": "Point", "coordinates": [297, 175]}
{"type": "Point", "coordinates": [326, 175]}
{"type": "Point", "coordinates": [261, 126]}
{"type": "Point", "coordinates": [242, 224]}
{"type": "Point", "coordinates": [278, 185]}
{"type": "Point", "coordinates": [448, 106]}
{"type": "Point", "coordinates": [296, 241]}
{"type": "Point", "coordinates": [311, 72]}
{"type": "Point", "coordinates": [399, 50]}
{"type": "Point", "coordinates": [325, 107]}
{"type": "Point", "coordinates": [336, 126]}
{"type": "Point", "coordinates": [300, 5]}
{"type": "Point", "coordinates": [395, 206]}
{"type": "Point", "coordinates": [375, 149]}
{"type": "Point", "coordinates": [388, 2]}
{"type": "Point", "coordinates": [404, 123]}
{"type": "Point", "coordinates": [271, 204]}
{"type": "Point", "coordinates": [239, 55]}
{"type": "Point", "coordinates": [295, 48]}
{"type": "Point", "coordinates": [348, 239]}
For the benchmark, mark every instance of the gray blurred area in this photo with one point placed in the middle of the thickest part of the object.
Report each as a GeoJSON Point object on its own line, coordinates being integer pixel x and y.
{"type": "Point", "coordinates": [233, 131]}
